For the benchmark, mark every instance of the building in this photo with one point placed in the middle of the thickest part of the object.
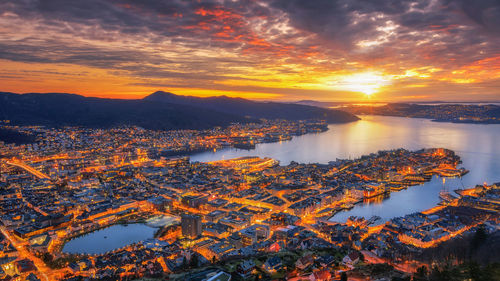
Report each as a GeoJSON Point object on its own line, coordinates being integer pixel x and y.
{"type": "Point", "coordinates": [245, 269]}
{"type": "Point", "coordinates": [254, 234]}
{"type": "Point", "coordinates": [194, 201]}
{"type": "Point", "coordinates": [351, 259]}
{"type": "Point", "coordinates": [191, 225]}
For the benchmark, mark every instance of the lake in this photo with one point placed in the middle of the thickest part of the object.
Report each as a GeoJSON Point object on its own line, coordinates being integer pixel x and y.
{"type": "Point", "coordinates": [109, 238]}
{"type": "Point", "coordinates": [478, 146]}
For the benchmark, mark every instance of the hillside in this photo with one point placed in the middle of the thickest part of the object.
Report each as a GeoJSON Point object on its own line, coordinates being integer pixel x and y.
{"type": "Point", "coordinates": [73, 110]}
{"type": "Point", "coordinates": [268, 110]}
{"type": "Point", "coordinates": [157, 111]}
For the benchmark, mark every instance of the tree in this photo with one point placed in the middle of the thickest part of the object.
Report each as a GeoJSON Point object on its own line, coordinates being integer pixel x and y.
{"type": "Point", "coordinates": [479, 238]}
{"type": "Point", "coordinates": [343, 276]}
{"type": "Point", "coordinates": [47, 257]}
{"type": "Point", "coordinates": [184, 263]}
{"type": "Point", "coordinates": [474, 271]}
{"type": "Point", "coordinates": [401, 278]}
{"type": "Point", "coordinates": [361, 256]}
{"type": "Point", "coordinates": [421, 274]}
{"type": "Point", "coordinates": [194, 261]}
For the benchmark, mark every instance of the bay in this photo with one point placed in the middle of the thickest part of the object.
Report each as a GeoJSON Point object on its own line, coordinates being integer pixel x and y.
{"type": "Point", "coordinates": [478, 146]}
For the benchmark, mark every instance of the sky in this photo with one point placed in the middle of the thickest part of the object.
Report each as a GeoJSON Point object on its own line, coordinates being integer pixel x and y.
{"type": "Point", "coordinates": [288, 50]}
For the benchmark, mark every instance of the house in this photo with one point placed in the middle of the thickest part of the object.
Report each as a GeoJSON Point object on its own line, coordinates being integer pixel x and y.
{"type": "Point", "coordinates": [25, 265]}
{"type": "Point", "coordinates": [272, 264]}
{"type": "Point", "coordinates": [323, 275]}
{"type": "Point", "coordinates": [304, 262]}
{"type": "Point", "coordinates": [326, 260]}
{"type": "Point", "coordinates": [245, 269]}
{"type": "Point", "coordinates": [8, 266]}
{"type": "Point", "coordinates": [81, 265]}
{"type": "Point", "coordinates": [351, 259]}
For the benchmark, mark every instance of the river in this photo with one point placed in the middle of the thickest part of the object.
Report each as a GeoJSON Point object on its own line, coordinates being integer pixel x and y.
{"type": "Point", "coordinates": [478, 145]}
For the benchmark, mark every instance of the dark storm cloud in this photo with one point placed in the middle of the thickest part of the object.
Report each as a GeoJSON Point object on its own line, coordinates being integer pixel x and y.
{"type": "Point", "coordinates": [485, 13]}
{"type": "Point", "coordinates": [346, 22]}
{"type": "Point", "coordinates": [340, 22]}
{"type": "Point", "coordinates": [191, 25]}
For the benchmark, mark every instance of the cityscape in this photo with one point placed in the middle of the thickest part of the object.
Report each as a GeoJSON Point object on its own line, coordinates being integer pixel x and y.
{"type": "Point", "coordinates": [298, 140]}
{"type": "Point", "coordinates": [246, 216]}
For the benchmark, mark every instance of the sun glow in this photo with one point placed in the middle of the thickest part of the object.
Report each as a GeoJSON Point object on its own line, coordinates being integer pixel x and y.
{"type": "Point", "coordinates": [367, 83]}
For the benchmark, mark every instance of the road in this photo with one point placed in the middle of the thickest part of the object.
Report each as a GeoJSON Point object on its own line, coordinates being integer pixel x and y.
{"type": "Point", "coordinates": [23, 253]}
{"type": "Point", "coordinates": [404, 267]}
{"type": "Point", "coordinates": [29, 169]}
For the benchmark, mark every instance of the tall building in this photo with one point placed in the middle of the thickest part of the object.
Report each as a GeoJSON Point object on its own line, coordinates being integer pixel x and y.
{"type": "Point", "coordinates": [191, 225]}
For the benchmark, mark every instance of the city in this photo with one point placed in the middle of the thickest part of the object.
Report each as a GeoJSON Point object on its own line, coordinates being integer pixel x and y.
{"type": "Point", "coordinates": [248, 217]}
{"type": "Point", "coordinates": [250, 140]}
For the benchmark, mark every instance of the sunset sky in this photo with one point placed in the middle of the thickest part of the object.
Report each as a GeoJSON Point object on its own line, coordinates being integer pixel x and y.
{"type": "Point", "coordinates": [325, 50]}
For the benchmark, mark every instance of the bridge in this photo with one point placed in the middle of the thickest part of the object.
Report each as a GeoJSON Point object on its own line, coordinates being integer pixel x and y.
{"type": "Point", "coordinates": [28, 169]}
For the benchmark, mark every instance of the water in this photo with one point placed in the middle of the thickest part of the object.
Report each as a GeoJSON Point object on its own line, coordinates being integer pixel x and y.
{"type": "Point", "coordinates": [109, 239]}
{"type": "Point", "coordinates": [478, 146]}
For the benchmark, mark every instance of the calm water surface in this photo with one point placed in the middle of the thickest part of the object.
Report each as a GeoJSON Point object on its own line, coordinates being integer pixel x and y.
{"type": "Point", "coordinates": [478, 146]}
{"type": "Point", "coordinates": [108, 239]}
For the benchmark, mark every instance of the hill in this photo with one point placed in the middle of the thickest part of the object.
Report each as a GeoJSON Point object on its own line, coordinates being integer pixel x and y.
{"type": "Point", "coordinates": [56, 110]}
{"type": "Point", "coordinates": [254, 109]}
{"type": "Point", "coordinates": [456, 113]}
{"type": "Point", "coordinates": [153, 112]}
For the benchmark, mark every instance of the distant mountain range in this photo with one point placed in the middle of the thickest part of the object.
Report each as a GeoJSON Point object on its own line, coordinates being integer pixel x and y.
{"type": "Point", "coordinates": [328, 104]}
{"type": "Point", "coordinates": [318, 103]}
{"type": "Point", "coordinates": [160, 110]}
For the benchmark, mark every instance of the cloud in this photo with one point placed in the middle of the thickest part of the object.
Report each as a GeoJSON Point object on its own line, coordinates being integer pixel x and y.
{"type": "Point", "coordinates": [285, 44]}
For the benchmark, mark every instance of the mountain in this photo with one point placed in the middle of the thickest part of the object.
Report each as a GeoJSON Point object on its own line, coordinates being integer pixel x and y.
{"type": "Point", "coordinates": [317, 103]}
{"type": "Point", "coordinates": [73, 110]}
{"type": "Point", "coordinates": [159, 110]}
{"type": "Point", "coordinates": [254, 109]}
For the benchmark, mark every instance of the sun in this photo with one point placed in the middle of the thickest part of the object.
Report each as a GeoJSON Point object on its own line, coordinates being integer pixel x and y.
{"type": "Point", "coordinates": [367, 83]}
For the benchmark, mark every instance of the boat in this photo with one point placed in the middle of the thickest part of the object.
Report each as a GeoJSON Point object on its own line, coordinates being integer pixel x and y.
{"type": "Point", "coordinates": [244, 145]}
{"type": "Point", "coordinates": [452, 172]}
{"type": "Point", "coordinates": [347, 206]}
{"type": "Point", "coordinates": [373, 219]}
{"type": "Point", "coordinates": [285, 137]}
{"type": "Point", "coordinates": [446, 196]}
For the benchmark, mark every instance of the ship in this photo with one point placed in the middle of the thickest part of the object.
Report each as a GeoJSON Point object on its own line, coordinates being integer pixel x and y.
{"type": "Point", "coordinates": [244, 145]}
{"type": "Point", "coordinates": [452, 172]}
{"type": "Point", "coordinates": [446, 197]}
{"type": "Point", "coordinates": [347, 206]}
{"type": "Point", "coordinates": [374, 219]}
{"type": "Point", "coordinates": [285, 137]}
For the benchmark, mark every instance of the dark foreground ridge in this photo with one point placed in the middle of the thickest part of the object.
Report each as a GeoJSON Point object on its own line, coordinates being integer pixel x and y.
{"type": "Point", "coordinates": [160, 110]}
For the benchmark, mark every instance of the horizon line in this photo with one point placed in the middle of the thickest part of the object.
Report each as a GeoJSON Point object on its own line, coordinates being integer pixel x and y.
{"type": "Point", "coordinates": [265, 100]}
